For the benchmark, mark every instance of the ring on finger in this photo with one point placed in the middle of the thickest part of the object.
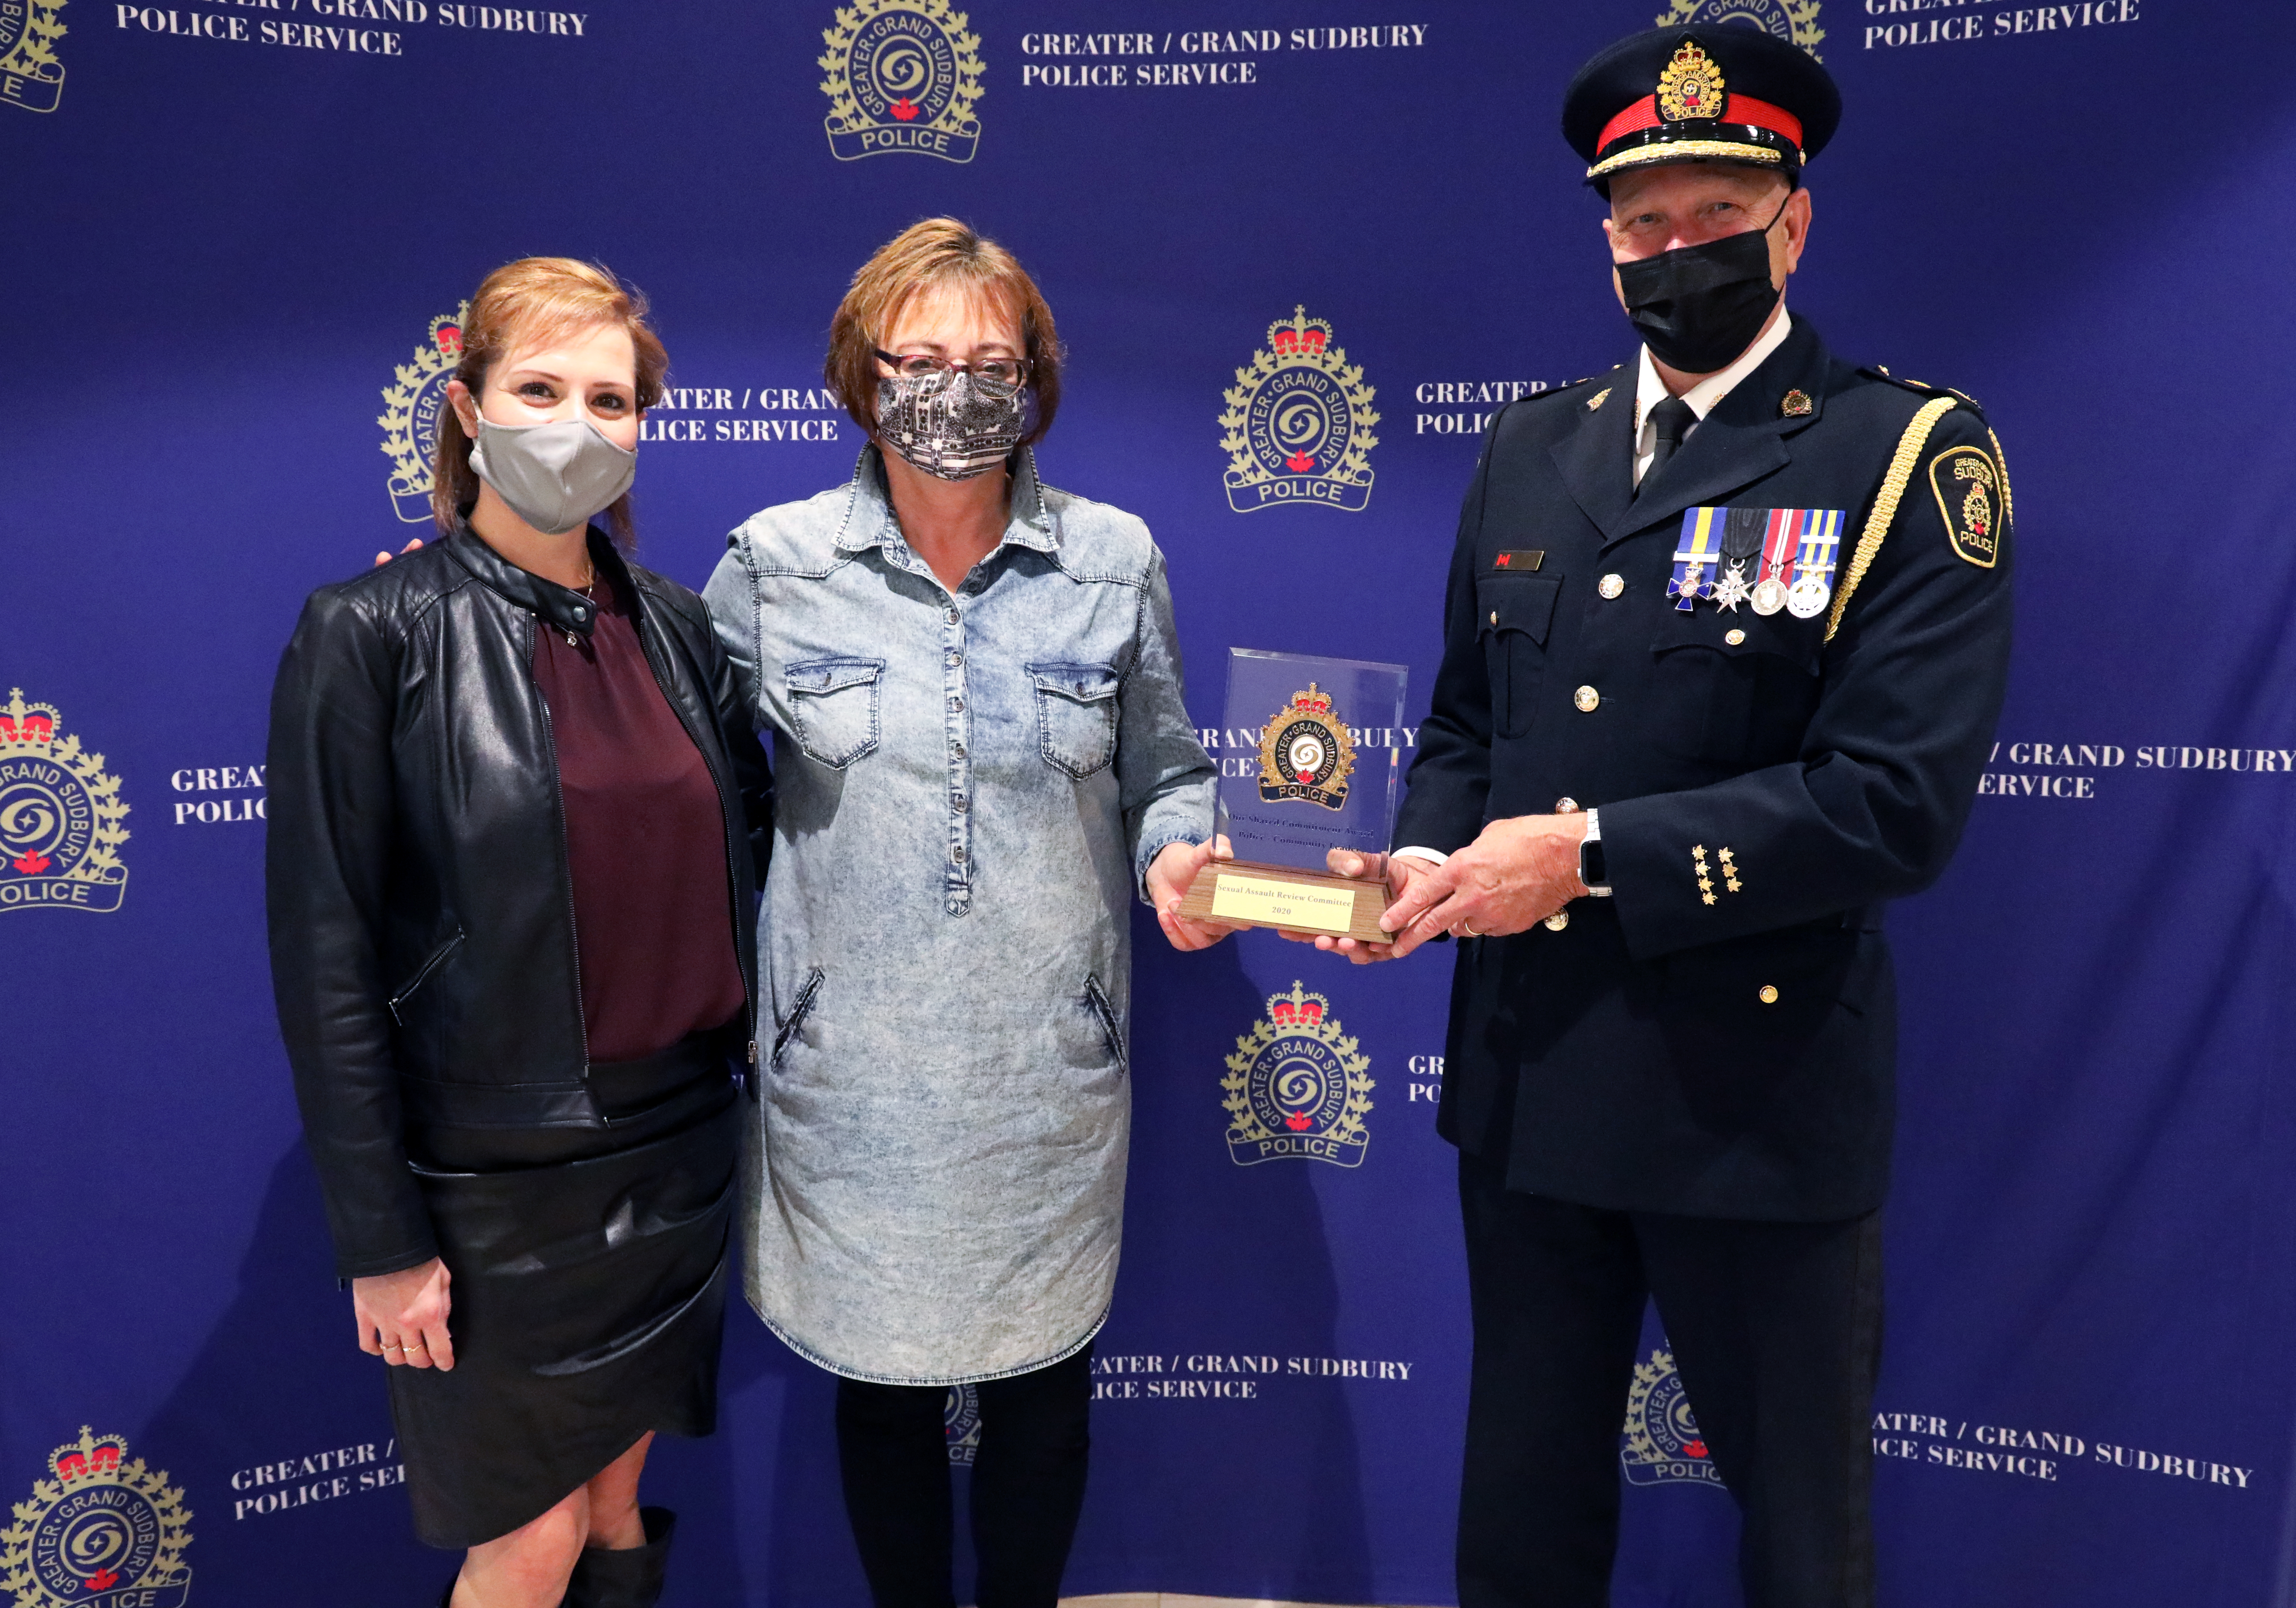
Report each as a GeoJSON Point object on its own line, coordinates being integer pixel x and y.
{"type": "Point", "coordinates": [1469, 929]}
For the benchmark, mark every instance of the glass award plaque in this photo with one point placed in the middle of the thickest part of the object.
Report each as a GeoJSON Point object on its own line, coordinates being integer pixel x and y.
{"type": "Point", "coordinates": [1324, 777]}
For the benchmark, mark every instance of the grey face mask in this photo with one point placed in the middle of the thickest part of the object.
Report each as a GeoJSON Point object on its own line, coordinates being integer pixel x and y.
{"type": "Point", "coordinates": [949, 424]}
{"type": "Point", "coordinates": [553, 476]}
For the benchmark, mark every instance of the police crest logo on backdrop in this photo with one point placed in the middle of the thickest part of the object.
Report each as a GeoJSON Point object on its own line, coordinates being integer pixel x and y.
{"type": "Point", "coordinates": [412, 405]}
{"type": "Point", "coordinates": [60, 816]}
{"type": "Point", "coordinates": [106, 1533]}
{"type": "Point", "coordinates": [1296, 428]}
{"type": "Point", "coordinates": [1297, 1086]}
{"type": "Point", "coordinates": [1660, 1444]}
{"type": "Point", "coordinates": [1792, 21]}
{"type": "Point", "coordinates": [903, 75]}
{"type": "Point", "coordinates": [960, 1419]}
{"type": "Point", "coordinates": [30, 76]}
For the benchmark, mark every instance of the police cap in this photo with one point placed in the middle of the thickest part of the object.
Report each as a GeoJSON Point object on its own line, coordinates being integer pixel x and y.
{"type": "Point", "coordinates": [1704, 94]}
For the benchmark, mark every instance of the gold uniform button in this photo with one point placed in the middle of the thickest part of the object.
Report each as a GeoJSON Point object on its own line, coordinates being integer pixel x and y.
{"type": "Point", "coordinates": [1586, 698]}
{"type": "Point", "coordinates": [1612, 585]}
{"type": "Point", "coordinates": [1734, 638]}
{"type": "Point", "coordinates": [1494, 617]}
{"type": "Point", "coordinates": [1767, 995]}
{"type": "Point", "coordinates": [1566, 806]}
{"type": "Point", "coordinates": [1558, 921]}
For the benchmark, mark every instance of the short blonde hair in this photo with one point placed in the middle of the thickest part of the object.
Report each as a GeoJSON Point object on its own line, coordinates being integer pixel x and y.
{"type": "Point", "coordinates": [534, 301]}
{"type": "Point", "coordinates": [937, 252]}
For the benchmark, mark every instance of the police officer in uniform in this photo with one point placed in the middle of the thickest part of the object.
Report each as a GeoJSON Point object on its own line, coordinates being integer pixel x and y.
{"type": "Point", "coordinates": [1724, 639]}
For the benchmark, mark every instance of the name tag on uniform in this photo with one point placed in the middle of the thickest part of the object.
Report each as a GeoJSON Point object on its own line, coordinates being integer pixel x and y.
{"type": "Point", "coordinates": [1523, 558]}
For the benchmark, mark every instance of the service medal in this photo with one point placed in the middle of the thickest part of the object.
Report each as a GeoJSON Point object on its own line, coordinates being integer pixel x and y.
{"type": "Point", "coordinates": [1817, 536]}
{"type": "Point", "coordinates": [1697, 556]}
{"type": "Point", "coordinates": [1743, 531]}
{"type": "Point", "coordinates": [1777, 547]}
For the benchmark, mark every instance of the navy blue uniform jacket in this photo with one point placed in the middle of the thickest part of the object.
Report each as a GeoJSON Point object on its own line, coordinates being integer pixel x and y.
{"type": "Point", "coordinates": [1710, 1051]}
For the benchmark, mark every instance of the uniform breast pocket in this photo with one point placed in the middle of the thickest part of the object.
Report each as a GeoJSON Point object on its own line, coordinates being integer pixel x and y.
{"type": "Point", "coordinates": [1732, 691]}
{"type": "Point", "coordinates": [1076, 716]}
{"type": "Point", "coordinates": [1513, 613]}
{"type": "Point", "coordinates": [834, 706]}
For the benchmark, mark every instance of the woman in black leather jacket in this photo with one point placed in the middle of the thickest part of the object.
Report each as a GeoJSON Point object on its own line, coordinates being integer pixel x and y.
{"type": "Point", "coordinates": [513, 810]}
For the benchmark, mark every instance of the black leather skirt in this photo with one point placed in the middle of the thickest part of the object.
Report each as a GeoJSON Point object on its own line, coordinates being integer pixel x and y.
{"type": "Point", "coordinates": [589, 1271]}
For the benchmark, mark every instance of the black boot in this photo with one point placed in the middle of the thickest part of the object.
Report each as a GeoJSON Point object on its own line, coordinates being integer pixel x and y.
{"type": "Point", "coordinates": [628, 1577]}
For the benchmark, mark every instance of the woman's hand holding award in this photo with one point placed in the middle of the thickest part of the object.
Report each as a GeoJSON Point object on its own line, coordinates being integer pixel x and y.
{"type": "Point", "coordinates": [1325, 779]}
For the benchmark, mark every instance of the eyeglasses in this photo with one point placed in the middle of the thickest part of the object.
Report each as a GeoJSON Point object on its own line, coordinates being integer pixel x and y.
{"type": "Point", "coordinates": [996, 373]}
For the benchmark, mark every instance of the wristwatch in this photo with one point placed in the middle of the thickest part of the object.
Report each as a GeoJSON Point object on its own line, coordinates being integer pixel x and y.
{"type": "Point", "coordinates": [1592, 869]}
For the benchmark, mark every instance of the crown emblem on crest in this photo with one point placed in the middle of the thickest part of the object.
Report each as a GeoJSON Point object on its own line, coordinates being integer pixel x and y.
{"type": "Point", "coordinates": [1298, 1008]}
{"type": "Point", "coordinates": [91, 1454]}
{"type": "Point", "coordinates": [1792, 21]}
{"type": "Point", "coordinates": [1297, 1086]}
{"type": "Point", "coordinates": [27, 727]}
{"type": "Point", "coordinates": [1691, 85]}
{"type": "Point", "coordinates": [1299, 336]}
{"type": "Point", "coordinates": [1298, 425]}
{"type": "Point", "coordinates": [1312, 701]}
{"type": "Point", "coordinates": [446, 335]}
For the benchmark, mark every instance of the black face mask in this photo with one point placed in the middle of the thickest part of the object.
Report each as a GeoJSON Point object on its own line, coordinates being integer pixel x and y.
{"type": "Point", "coordinates": [1697, 307]}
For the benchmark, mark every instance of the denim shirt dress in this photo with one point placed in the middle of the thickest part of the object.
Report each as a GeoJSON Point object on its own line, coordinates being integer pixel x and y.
{"type": "Point", "coordinates": [969, 788]}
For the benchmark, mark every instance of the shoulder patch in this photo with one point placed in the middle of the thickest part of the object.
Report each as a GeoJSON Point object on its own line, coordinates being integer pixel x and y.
{"type": "Point", "coordinates": [1971, 495]}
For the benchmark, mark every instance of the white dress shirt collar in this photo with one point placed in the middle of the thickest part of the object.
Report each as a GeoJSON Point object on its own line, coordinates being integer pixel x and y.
{"type": "Point", "coordinates": [1649, 390]}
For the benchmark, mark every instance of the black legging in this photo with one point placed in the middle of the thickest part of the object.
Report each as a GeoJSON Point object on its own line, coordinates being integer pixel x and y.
{"type": "Point", "coordinates": [1027, 1485]}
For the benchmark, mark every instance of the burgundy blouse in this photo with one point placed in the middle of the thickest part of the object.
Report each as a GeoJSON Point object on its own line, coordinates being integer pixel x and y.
{"type": "Point", "coordinates": [645, 841]}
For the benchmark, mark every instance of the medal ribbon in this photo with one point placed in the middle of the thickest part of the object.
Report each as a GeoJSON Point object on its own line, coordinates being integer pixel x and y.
{"type": "Point", "coordinates": [1700, 548]}
{"type": "Point", "coordinates": [1777, 542]}
{"type": "Point", "coordinates": [1821, 536]}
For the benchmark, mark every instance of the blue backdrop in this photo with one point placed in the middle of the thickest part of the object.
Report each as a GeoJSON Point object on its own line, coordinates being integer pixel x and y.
{"type": "Point", "coordinates": [238, 232]}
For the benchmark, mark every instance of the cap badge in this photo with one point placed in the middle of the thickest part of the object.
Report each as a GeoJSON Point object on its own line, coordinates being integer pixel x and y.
{"type": "Point", "coordinates": [1691, 85]}
{"type": "Point", "coordinates": [1795, 404]}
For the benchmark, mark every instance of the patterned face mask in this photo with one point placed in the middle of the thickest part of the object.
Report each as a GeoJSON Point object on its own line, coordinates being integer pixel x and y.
{"type": "Point", "coordinates": [950, 424]}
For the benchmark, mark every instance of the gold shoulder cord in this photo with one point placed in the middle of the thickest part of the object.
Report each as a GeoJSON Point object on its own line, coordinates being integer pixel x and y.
{"type": "Point", "coordinates": [2008, 497]}
{"type": "Point", "coordinates": [1885, 503]}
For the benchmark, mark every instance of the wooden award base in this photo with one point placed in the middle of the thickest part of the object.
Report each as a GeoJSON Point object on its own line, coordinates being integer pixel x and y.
{"type": "Point", "coordinates": [1289, 899]}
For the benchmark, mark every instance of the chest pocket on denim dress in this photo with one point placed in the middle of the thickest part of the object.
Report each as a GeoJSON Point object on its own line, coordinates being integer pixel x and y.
{"type": "Point", "coordinates": [833, 703]}
{"type": "Point", "coordinates": [1744, 702]}
{"type": "Point", "coordinates": [1076, 716]}
{"type": "Point", "coordinates": [1512, 614]}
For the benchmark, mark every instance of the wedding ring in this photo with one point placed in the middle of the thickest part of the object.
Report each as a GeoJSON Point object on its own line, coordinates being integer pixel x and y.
{"type": "Point", "coordinates": [390, 1347]}
{"type": "Point", "coordinates": [1469, 929]}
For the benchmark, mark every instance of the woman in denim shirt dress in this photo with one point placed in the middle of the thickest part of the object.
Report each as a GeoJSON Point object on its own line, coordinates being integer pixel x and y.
{"type": "Point", "coordinates": [983, 755]}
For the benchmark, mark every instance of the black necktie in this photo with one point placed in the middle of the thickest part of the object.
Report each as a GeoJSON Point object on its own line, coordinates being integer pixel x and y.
{"type": "Point", "coordinates": [1671, 420]}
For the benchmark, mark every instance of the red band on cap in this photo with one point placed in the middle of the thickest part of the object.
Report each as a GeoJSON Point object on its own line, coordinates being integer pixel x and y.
{"type": "Point", "coordinates": [1737, 109]}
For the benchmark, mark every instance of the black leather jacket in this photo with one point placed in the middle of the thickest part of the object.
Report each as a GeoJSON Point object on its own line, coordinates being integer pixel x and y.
{"type": "Point", "coordinates": [421, 909]}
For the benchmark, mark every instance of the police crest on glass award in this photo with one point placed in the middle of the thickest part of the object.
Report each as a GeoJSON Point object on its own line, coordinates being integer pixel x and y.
{"type": "Point", "coordinates": [1324, 777]}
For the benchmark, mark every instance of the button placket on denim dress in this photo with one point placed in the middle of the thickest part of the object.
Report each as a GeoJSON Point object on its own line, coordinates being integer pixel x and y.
{"type": "Point", "coordinates": [969, 788]}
